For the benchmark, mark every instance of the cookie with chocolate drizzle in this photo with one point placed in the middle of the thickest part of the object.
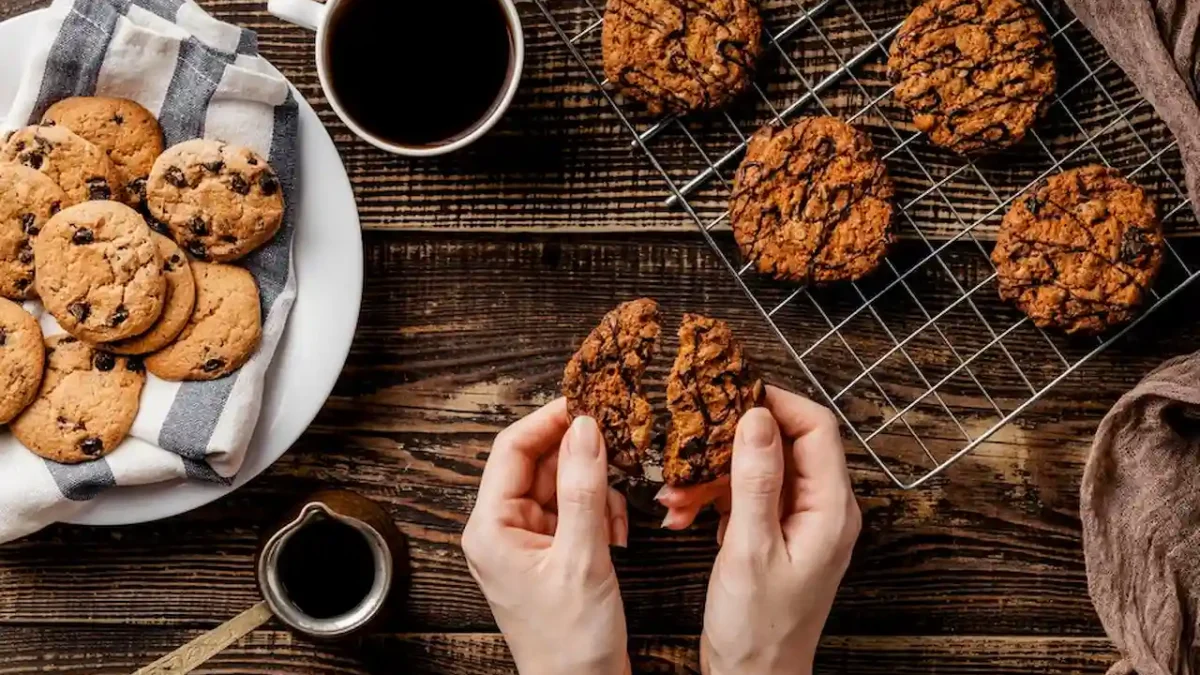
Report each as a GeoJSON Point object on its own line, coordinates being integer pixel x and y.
{"type": "Point", "coordinates": [812, 202]}
{"type": "Point", "coordinates": [681, 56]}
{"type": "Point", "coordinates": [976, 74]}
{"type": "Point", "coordinates": [1080, 251]}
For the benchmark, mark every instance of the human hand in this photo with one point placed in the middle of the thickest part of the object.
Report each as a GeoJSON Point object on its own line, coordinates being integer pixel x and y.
{"type": "Point", "coordinates": [537, 544]}
{"type": "Point", "coordinates": [789, 522]}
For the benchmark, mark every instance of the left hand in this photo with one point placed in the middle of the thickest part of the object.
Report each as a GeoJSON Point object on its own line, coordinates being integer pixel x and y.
{"type": "Point", "coordinates": [537, 543]}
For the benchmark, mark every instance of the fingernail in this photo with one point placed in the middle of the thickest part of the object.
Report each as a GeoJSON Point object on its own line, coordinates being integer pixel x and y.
{"type": "Point", "coordinates": [670, 522]}
{"type": "Point", "coordinates": [582, 438]}
{"type": "Point", "coordinates": [757, 428]}
{"type": "Point", "coordinates": [662, 492]}
{"type": "Point", "coordinates": [620, 533]}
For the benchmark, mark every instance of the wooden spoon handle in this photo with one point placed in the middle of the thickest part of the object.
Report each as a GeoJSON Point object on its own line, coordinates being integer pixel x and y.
{"type": "Point", "coordinates": [204, 647]}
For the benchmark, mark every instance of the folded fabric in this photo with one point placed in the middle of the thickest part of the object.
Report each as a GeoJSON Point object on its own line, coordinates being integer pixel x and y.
{"type": "Point", "coordinates": [1140, 498]}
{"type": "Point", "coordinates": [203, 79]}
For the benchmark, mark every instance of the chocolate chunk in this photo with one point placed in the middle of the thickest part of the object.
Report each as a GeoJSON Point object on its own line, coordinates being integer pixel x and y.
{"type": "Point", "coordinates": [215, 167]}
{"type": "Point", "coordinates": [213, 365]}
{"type": "Point", "coordinates": [118, 316]}
{"type": "Point", "coordinates": [25, 255]}
{"type": "Point", "coordinates": [20, 144]}
{"type": "Point", "coordinates": [79, 310]}
{"type": "Point", "coordinates": [98, 189]}
{"type": "Point", "coordinates": [158, 226]}
{"type": "Point", "coordinates": [1033, 204]}
{"type": "Point", "coordinates": [118, 119]}
{"type": "Point", "coordinates": [252, 161]}
{"type": "Point", "coordinates": [91, 446]}
{"type": "Point", "coordinates": [196, 248]}
{"type": "Point", "coordinates": [29, 224]}
{"type": "Point", "coordinates": [238, 184]}
{"type": "Point", "coordinates": [55, 207]}
{"type": "Point", "coordinates": [197, 226]}
{"type": "Point", "coordinates": [3, 336]}
{"type": "Point", "coordinates": [137, 187]}
{"type": "Point", "coordinates": [22, 284]}
{"type": "Point", "coordinates": [82, 236]}
{"type": "Point", "coordinates": [229, 238]}
{"type": "Point", "coordinates": [103, 361]}
{"type": "Point", "coordinates": [32, 160]}
{"type": "Point", "coordinates": [268, 183]}
{"type": "Point", "coordinates": [175, 176]}
{"type": "Point", "coordinates": [134, 364]}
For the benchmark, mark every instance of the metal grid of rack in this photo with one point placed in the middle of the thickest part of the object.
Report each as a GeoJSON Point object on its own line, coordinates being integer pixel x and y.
{"type": "Point", "coordinates": [921, 361]}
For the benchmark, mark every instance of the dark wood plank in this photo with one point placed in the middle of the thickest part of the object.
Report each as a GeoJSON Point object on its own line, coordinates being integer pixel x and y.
{"type": "Point", "coordinates": [438, 366]}
{"type": "Point", "coordinates": [101, 651]}
{"type": "Point", "coordinates": [561, 160]}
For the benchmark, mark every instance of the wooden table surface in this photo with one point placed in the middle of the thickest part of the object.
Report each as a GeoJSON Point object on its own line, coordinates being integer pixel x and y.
{"type": "Point", "coordinates": [483, 271]}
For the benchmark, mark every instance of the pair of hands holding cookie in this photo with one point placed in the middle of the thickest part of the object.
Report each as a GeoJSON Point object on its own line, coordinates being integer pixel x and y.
{"type": "Point", "coordinates": [538, 542]}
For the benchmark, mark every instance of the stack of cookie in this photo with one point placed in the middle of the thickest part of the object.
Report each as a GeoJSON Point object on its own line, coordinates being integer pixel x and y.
{"type": "Point", "coordinates": [125, 244]}
{"type": "Point", "coordinates": [812, 202]}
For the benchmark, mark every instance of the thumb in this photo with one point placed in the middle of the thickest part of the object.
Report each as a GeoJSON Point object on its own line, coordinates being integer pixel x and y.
{"type": "Point", "coordinates": [756, 479]}
{"type": "Point", "coordinates": [582, 489]}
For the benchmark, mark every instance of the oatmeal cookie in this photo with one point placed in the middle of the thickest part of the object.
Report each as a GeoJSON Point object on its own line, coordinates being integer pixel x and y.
{"type": "Point", "coordinates": [812, 202]}
{"type": "Point", "coordinates": [22, 357]}
{"type": "Point", "coordinates": [1080, 251]}
{"type": "Point", "coordinates": [710, 386]}
{"type": "Point", "coordinates": [123, 129]}
{"type": "Point", "coordinates": [86, 405]}
{"type": "Point", "coordinates": [27, 200]}
{"type": "Point", "coordinates": [219, 201]}
{"type": "Point", "coordinates": [976, 74]}
{"type": "Point", "coordinates": [681, 56]}
{"type": "Point", "coordinates": [81, 169]}
{"type": "Point", "coordinates": [99, 273]}
{"type": "Point", "coordinates": [223, 331]}
{"type": "Point", "coordinates": [603, 381]}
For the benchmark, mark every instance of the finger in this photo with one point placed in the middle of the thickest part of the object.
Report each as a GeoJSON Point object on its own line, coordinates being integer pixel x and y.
{"type": "Point", "coordinates": [797, 415]}
{"type": "Point", "coordinates": [545, 479]}
{"type": "Point", "coordinates": [618, 519]}
{"type": "Point", "coordinates": [756, 477]}
{"type": "Point", "coordinates": [511, 465]}
{"type": "Point", "coordinates": [816, 461]}
{"type": "Point", "coordinates": [721, 527]}
{"type": "Point", "coordinates": [582, 490]}
{"type": "Point", "coordinates": [681, 518]}
{"type": "Point", "coordinates": [678, 497]}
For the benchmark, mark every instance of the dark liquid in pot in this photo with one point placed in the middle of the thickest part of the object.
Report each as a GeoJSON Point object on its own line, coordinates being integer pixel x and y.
{"type": "Point", "coordinates": [327, 568]}
{"type": "Point", "coordinates": [418, 72]}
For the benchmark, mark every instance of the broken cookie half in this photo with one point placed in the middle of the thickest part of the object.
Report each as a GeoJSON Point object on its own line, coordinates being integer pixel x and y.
{"type": "Point", "coordinates": [710, 386]}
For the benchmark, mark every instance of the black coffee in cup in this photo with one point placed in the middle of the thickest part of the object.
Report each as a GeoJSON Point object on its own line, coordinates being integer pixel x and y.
{"type": "Point", "coordinates": [419, 73]}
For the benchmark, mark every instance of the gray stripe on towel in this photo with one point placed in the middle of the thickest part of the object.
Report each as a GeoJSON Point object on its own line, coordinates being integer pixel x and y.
{"type": "Point", "coordinates": [78, 52]}
{"type": "Point", "coordinates": [269, 264]}
{"type": "Point", "coordinates": [185, 107]}
{"type": "Point", "coordinates": [81, 482]}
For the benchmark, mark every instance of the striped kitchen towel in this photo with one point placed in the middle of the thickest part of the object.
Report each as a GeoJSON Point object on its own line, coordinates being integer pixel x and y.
{"type": "Point", "coordinates": [203, 79]}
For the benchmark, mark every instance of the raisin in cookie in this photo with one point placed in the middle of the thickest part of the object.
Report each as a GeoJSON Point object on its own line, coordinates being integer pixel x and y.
{"type": "Point", "coordinates": [603, 381]}
{"type": "Point", "coordinates": [710, 386]}
{"type": "Point", "coordinates": [99, 272]}
{"type": "Point", "coordinates": [1080, 251]}
{"type": "Point", "coordinates": [124, 130]}
{"type": "Point", "coordinates": [812, 202]}
{"type": "Point", "coordinates": [86, 405]}
{"type": "Point", "coordinates": [177, 308]}
{"type": "Point", "coordinates": [22, 357]}
{"type": "Point", "coordinates": [81, 169]}
{"type": "Point", "coordinates": [223, 331]}
{"type": "Point", "coordinates": [220, 201]}
{"type": "Point", "coordinates": [976, 74]}
{"type": "Point", "coordinates": [681, 56]}
{"type": "Point", "coordinates": [27, 200]}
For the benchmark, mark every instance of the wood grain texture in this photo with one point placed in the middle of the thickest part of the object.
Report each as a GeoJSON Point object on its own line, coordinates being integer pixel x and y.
{"type": "Point", "coordinates": [75, 652]}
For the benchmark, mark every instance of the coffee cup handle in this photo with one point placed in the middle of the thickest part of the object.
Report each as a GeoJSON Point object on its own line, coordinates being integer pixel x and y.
{"type": "Point", "coordinates": [304, 13]}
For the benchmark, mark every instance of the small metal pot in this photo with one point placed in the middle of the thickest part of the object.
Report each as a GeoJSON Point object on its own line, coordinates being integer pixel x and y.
{"type": "Point", "coordinates": [388, 548]}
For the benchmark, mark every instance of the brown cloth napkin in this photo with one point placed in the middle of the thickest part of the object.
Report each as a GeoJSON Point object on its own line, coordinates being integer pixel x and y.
{"type": "Point", "coordinates": [1140, 498]}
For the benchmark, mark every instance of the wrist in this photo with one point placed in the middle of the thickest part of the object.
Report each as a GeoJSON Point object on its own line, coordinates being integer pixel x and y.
{"type": "Point", "coordinates": [754, 660]}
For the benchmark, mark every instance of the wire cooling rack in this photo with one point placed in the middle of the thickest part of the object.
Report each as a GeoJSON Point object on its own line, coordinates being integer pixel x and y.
{"type": "Point", "coordinates": [921, 361]}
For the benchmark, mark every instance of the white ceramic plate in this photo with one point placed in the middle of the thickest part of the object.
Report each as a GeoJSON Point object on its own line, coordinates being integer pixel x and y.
{"type": "Point", "coordinates": [329, 270]}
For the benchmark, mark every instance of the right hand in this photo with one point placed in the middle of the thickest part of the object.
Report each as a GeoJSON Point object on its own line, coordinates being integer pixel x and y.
{"type": "Point", "coordinates": [789, 523]}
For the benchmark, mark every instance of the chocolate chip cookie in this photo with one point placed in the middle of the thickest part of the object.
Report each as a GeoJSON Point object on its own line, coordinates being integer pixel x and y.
{"type": "Point", "coordinates": [177, 308]}
{"type": "Point", "coordinates": [27, 199]}
{"type": "Point", "coordinates": [710, 386]}
{"type": "Point", "coordinates": [86, 405]}
{"type": "Point", "coordinates": [81, 169]}
{"type": "Point", "coordinates": [976, 74]}
{"type": "Point", "coordinates": [603, 381]}
{"type": "Point", "coordinates": [220, 201]}
{"type": "Point", "coordinates": [99, 273]}
{"type": "Point", "coordinates": [812, 202]}
{"type": "Point", "coordinates": [223, 331]}
{"type": "Point", "coordinates": [124, 130]}
{"type": "Point", "coordinates": [681, 56]}
{"type": "Point", "coordinates": [22, 357]}
{"type": "Point", "coordinates": [1080, 251]}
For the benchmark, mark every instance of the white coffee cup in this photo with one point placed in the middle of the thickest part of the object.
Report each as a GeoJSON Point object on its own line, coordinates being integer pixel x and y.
{"type": "Point", "coordinates": [317, 16]}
